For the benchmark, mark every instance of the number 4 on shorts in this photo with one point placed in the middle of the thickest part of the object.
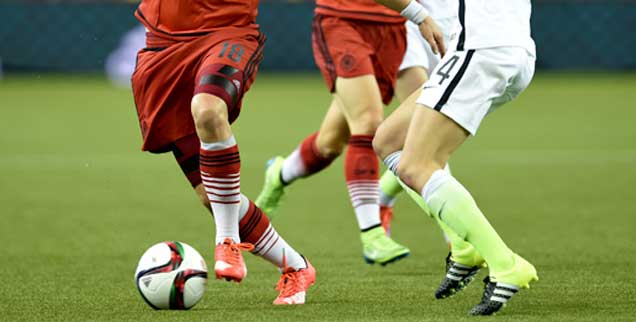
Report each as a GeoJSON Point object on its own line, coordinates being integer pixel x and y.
{"type": "Point", "coordinates": [445, 70]}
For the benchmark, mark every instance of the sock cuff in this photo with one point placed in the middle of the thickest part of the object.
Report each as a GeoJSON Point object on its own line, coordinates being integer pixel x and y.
{"type": "Point", "coordinates": [223, 163]}
{"type": "Point", "coordinates": [312, 160]}
{"type": "Point", "coordinates": [220, 145]}
{"type": "Point", "coordinates": [437, 179]}
{"type": "Point", "coordinates": [309, 149]}
{"type": "Point", "coordinates": [392, 161]}
{"type": "Point", "coordinates": [362, 141]}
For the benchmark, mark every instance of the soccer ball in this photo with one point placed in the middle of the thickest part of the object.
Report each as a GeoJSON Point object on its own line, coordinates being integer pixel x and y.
{"type": "Point", "coordinates": [171, 275]}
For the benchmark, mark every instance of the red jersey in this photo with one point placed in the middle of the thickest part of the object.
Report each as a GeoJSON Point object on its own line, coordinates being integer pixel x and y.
{"type": "Point", "coordinates": [358, 9]}
{"type": "Point", "coordinates": [196, 17]}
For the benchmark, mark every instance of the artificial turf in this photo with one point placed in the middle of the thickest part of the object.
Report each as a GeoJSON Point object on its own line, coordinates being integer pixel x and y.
{"type": "Point", "coordinates": [554, 172]}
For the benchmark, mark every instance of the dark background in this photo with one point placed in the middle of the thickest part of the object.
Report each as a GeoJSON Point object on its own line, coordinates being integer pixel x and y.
{"type": "Point", "coordinates": [77, 36]}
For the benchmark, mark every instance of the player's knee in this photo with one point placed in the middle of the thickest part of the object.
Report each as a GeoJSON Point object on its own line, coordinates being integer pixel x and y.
{"type": "Point", "coordinates": [209, 111]}
{"type": "Point", "coordinates": [384, 142]}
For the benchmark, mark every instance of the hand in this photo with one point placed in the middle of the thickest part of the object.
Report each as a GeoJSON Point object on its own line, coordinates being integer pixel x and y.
{"type": "Point", "coordinates": [430, 31]}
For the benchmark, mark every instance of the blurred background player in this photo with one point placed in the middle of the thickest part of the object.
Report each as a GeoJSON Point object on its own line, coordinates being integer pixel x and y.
{"type": "Point", "coordinates": [358, 47]}
{"type": "Point", "coordinates": [199, 61]}
{"type": "Point", "coordinates": [419, 60]}
{"type": "Point", "coordinates": [120, 63]}
{"type": "Point", "coordinates": [490, 63]}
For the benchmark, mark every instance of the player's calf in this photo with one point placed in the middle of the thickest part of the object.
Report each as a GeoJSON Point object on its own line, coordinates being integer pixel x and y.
{"type": "Point", "coordinates": [365, 122]}
{"type": "Point", "coordinates": [328, 145]}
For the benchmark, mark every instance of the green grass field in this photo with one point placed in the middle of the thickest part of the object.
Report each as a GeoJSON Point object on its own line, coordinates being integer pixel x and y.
{"type": "Point", "coordinates": [554, 172]}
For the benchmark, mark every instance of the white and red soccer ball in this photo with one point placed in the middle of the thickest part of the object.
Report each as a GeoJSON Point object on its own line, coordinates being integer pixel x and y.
{"type": "Point", "coordinates": [171, 275]}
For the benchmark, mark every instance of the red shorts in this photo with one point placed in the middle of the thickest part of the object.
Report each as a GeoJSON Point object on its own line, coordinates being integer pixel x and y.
{"type": "Point", "coordinates": [168, 73]}
{"type": "Point", "coordinates": [350, 48]}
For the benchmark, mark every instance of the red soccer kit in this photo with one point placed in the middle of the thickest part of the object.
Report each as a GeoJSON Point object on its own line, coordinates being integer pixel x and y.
{"type": "Point", "coordinates": [358, 37]}
{"type": "Point", "coordinates": [195, 46]}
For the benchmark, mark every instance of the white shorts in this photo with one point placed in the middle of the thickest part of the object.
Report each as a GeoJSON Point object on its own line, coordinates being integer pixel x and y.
{"type": "Point", "coordinates": [467, 85]}
{"type": "Point", "coordinates": [418, 51]}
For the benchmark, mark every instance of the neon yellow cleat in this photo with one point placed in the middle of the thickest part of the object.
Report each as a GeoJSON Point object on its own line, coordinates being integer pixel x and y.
{"type": "Point", "coordinates": [500, 287]}
{"type": "Point", "coordinates": [273, 189]}
{"type": "Point", "coordinates": [379, 248]}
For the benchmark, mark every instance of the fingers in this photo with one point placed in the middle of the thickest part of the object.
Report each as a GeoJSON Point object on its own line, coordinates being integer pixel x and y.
{"type": "Point", "coordinates": [432, 34]}
{"type": "Point", "coordinates": [439, 39]}
{"type": "Point", "coordinates": [430, 38]}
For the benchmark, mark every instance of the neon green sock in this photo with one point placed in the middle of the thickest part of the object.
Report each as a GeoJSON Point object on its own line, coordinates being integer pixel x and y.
{"type": "Point", "coordinates": [454, 206]}
{"type": "Point", "coordinates": [389, 184]}
{"type": "Point", "coordinates": [461, 251]}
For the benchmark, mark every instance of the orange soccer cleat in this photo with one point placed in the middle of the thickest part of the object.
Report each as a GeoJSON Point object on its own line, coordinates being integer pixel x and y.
{"type": "Point", "coordinates": [229, 263]}
{"type": "Point", "coordinates": [293, 285]}
{"type": "Point", "coordinates": [386, 216]}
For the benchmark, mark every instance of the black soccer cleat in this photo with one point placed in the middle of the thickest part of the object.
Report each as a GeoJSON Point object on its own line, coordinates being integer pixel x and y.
{"type": "Point", "coordinates": [495, 297]}
{"type": "Point", "coordinates": [458, 276]}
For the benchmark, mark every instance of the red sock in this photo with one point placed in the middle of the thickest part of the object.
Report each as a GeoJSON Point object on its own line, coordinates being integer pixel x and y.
{"type": "Point", "coordinates": [304, 161]}
{"type": "Point", "coordinates": [362, 175]}
{"type": "Point", "coordinates": [253, 224]}
{"type": "Point", "coordinates": [220, 172]}
{"type": "Point", "coordinates": [256, 229]}
{"type": "Point", "coordinates": [313, 160]}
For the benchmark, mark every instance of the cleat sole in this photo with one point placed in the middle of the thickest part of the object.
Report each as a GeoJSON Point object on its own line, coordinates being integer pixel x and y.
{"type": "Point", "coordinates": [228, 278]}
{"type": "Point", "coordinates": [395, 259]}
{"type": "Point", "coordinates": [392, 260]}
{"type": "Point", "coordinates": [368, 260]}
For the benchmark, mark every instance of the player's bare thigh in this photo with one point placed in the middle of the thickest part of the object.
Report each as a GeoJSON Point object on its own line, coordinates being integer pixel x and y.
{"type": "Point", "coordinates": [410, 80]}
{"type": "Point", "coordinates": [391, 134]}
{"type": "Point", "coordinates": [431, 139]}
{"type": "Point", "coordinates": [361, 103]}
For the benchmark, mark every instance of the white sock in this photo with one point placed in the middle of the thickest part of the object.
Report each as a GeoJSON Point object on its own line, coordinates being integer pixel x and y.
{"type": "Point", "coordinates": [271, 246]}
{"type": "Point", "coordinates": [437, 179]}
{"type": "Point", "coordinates": [392, 161]}
{"type": "Point", "coordinates": [365, 200]}
{"type": "Point", "coordinates": [224, 194]}
{"type": "Point", "coordinates": [293, 167]}
{"type": "Point", "coordinates": [368, 216]}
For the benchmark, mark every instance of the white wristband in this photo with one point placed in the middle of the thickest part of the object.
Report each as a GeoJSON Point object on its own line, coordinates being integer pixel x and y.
{"type": "Point", "coordinates": [415, 12]}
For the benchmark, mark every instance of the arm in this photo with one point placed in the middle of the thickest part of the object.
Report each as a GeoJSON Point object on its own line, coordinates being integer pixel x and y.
{"type": "Point", "coordinates": [415, 12]}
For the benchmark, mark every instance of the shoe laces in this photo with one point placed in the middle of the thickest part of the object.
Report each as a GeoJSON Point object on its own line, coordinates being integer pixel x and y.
{"type": "Point", "coordinates": [290, 283]}
{"type": "Point", "coordinates": [232, 251]}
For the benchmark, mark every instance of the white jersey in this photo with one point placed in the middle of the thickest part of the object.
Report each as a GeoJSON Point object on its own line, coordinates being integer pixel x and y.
{"type": "Point", "coordinates": [440, 9]}
{"type": "Point", "coordinates": [494, 23]}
